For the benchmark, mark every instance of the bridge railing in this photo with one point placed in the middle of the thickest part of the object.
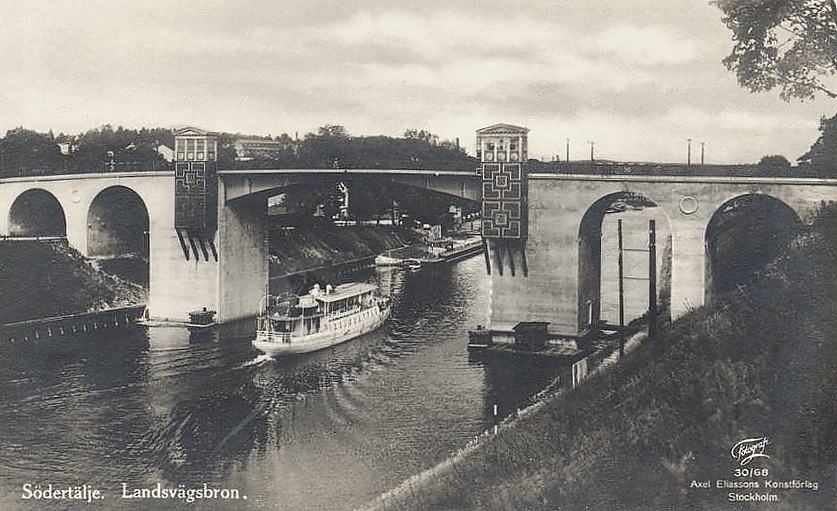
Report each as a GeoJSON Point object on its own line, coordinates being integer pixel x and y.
{"type": "Point", "coordinates": [136, 166]}
{"type": "Point", "coordinates": [612, 168]}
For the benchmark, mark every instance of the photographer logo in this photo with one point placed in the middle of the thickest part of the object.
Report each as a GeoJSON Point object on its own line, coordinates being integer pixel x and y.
{"type": "Point", "coordinates": [750, 448]}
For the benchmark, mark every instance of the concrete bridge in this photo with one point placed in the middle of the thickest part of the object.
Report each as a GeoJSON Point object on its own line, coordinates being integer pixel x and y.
{"type": "Point", "coordinates": [547, 235]}
{"type": "Point", "coordinates": [109, 214]}
{"type": "Point", "coordinates": [565, 247]}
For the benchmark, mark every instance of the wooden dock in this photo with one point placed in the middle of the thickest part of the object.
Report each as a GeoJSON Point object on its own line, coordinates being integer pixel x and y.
{"type": "Point", "coordinates": [531, 339]}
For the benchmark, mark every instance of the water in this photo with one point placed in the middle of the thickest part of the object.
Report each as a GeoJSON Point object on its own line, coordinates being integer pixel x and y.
{"type": "Point", "coordinates": [329, 430]}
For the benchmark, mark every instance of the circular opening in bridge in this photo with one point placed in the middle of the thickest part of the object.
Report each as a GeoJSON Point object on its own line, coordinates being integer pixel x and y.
{"type": "Point", "coordinates": [37, 213]}
{"type": "Point", "coordinates": [118, 233]}
{"type": "Point", "coordinates": [598, 261]}
{"type": "Point", "coordinates": [744, 235]}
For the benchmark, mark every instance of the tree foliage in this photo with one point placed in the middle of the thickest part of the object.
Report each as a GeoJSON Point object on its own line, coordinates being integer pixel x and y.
{"type": "Point", "coordinates": [822, 156]}
{"type": "Point", "coordinates": [27, 152]}
{"type": "Point", "coordinates": [791, 44]}
{"type": "Point", "coordinates": [96, 149]}
{"type": "Point", "coordinates": [417, 134]}
{"type": "Point", "coordinates": [774, 164]}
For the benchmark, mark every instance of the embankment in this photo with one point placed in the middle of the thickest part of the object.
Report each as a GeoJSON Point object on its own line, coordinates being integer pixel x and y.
{"type": "Point", "coordinates": [40, 279]}
{"type": "Point", "coordinates": [760, 362]}
{"type": "Point", "coordinates": [43, 279]}
{"type": "Point", "coordinates": [302, 248]}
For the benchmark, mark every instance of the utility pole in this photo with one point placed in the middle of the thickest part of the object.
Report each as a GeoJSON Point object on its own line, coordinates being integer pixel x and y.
{"type": "Point", "coordinates": [702, 146]}
{"type": "Point", "coordinates": [688, 151]}
{"type": "Point", "coordinates": [592, 144]}
{"type": "Point", "coordinates": [621, 291]}
{"type": "Point", "coordinates": [568, 150]}
{"type": "Point", "coordinates": [652, 279]}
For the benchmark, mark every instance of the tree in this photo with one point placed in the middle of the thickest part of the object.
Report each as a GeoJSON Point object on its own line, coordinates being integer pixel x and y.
{"type": "Point", "coordinates": [790, 44]}
{"type": "Point", "coordinates": [326, 149]}
{"type": "Point", "coordinates": [423, 135]}
{"type": "Point", "coordinates": [333, 130]}
{"type": "Point", "coordinates": [822, 156]}
{"type": "Point", "coordinates": [774, 164]}
{"type": "Point", "coordinates": [25, 152]}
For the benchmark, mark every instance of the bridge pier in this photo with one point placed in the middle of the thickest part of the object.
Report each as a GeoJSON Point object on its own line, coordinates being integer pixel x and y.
{"type": "Point", "coordinates": [244, 253]}
{"type": "Point", "coordinates": [232, 285]}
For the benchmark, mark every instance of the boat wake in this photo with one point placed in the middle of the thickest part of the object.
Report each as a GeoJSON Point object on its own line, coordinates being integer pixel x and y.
{"type": "Point", "coordinates": [261, 359]}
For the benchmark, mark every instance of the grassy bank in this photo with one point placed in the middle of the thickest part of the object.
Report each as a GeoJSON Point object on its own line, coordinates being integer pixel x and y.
{"type": "Point", "coordinates": [761, 361]}
{"type": "Point", "coordinates": [39, 280]}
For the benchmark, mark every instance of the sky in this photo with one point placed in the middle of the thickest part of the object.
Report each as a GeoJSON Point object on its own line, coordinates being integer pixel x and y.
{"type": "Point", "coordinates": [636, 78]}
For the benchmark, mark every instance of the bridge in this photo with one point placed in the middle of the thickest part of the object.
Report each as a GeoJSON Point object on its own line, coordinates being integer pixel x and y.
{"type": "Point", "coordinates": [204, 230]}
{"type": "Point", "coordinates": [120, 213]}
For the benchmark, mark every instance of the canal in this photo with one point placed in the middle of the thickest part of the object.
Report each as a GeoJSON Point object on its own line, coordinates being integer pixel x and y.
{"type": "Point", "coordinates": [142, 411]}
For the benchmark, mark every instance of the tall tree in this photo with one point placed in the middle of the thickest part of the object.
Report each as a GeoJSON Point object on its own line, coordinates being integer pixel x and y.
{"type": "Point", "coordinates": [25, 152]}
{"type": "Point", "coordinates": [822, 156]}
{"type": "Point", "coordinates": [790, 44]}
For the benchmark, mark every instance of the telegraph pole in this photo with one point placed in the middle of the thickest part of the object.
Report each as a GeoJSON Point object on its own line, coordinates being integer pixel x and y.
{"type": "Point", "coordinates": [621, 290]}
{"type": "Point", "coordinates": [688, 151]}
{"type": "Point", "coordinates": [652, 279]}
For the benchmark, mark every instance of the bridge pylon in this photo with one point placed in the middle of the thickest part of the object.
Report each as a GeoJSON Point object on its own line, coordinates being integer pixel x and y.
{"type": "Point", "coordinates": [216, 254]}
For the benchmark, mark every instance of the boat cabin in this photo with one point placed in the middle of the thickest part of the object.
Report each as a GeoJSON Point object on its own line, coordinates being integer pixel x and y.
{"type": "Point", "coordinates": [293, 316]}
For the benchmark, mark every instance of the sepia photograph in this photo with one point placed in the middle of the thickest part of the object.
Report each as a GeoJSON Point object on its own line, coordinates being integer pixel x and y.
{"type": "Point", "coordinates": [552, 255]}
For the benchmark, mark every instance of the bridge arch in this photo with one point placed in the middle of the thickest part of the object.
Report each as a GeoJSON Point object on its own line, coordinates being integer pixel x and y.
{"type": "Point", "coordinates": [598, 297]}
{"type": "Point", "coordinates": [117, 224]}
{"type": "Point", "coordinates": [743, 234]}
{"type": "Point", "coordinates": [37, 212]}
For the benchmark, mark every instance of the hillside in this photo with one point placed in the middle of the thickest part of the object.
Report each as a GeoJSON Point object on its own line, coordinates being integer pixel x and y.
{"type": "Point", "coordinates": [298, 249]}
{"type": "Point", "coordinates": [761, 362]}
{"type": "Point", "coordinates": [39, 280]}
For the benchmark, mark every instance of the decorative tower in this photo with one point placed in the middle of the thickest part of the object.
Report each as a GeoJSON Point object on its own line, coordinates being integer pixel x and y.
{"type": "Point", "coordinates": [502, 151]}
{"type": "Point", "coordinates": [195, 192]}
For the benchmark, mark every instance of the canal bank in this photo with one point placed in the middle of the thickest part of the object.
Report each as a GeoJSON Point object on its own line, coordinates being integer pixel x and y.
{"type": "Point", "coordinates": [41, 279]}
{"type": "Point", "coordinates": [46, 279]}
{"type": "Point", "coordinates": [759, 362]}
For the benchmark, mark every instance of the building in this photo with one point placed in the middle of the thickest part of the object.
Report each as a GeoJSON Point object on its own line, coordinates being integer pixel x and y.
{"type": "Point", "coordinates": [502, 143]}
{"type": "Point", "coordinates": [166, 152]}
{"type": "Point", "coordinates": [250, 148]}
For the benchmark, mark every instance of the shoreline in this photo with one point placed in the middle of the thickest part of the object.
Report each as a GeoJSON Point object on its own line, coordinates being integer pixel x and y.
{"type": "Point", "coordinates": [395, 497]}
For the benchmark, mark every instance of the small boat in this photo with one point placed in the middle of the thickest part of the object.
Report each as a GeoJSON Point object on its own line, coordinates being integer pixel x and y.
{"type": "Point", "coordinates": [201, 319]}
{"type": "Point", "coordinates": [290, 324]}
{"type": "Point", "coordinates": [383, 260]}
{"type": "Point", "coordinates": [479, 340]}
{"type": "Point", "coordinates": [412, 264]}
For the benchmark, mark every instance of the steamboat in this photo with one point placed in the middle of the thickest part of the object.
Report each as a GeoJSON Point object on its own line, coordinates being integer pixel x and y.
{"type": "Point", "coordinates": [290, 324]}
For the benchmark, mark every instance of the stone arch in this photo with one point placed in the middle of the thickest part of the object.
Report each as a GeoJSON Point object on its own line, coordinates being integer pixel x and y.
{"type": "Point", "coordinates": [117, 224]}
{"type": "Point", "coordinates": [597, 267]}
{"type": "Point", "coordinates": [37, 212]}
{"type": "Point", "coordinates": [742, 235]}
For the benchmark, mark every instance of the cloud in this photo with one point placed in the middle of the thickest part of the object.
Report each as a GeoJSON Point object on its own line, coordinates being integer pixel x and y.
{"type": "Point", "coordinates": [645, 46]}
{"type": "Point", "coordinates": [638, 77]}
